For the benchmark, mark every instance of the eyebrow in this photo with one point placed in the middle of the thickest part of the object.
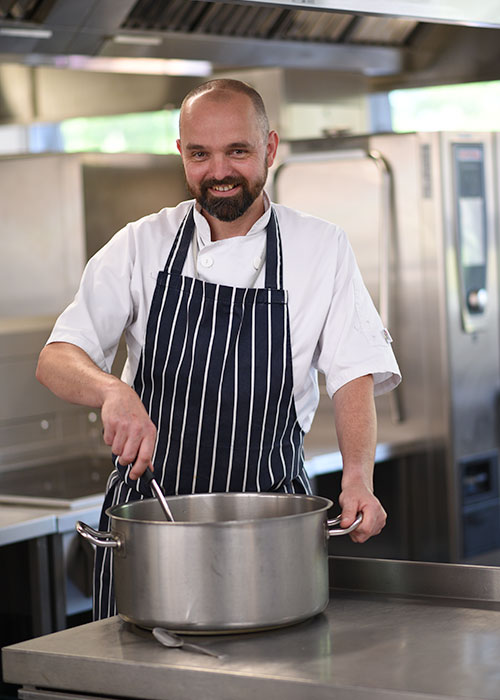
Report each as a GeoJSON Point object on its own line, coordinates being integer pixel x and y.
{"type": "Point", "coordinates": [199, 147]}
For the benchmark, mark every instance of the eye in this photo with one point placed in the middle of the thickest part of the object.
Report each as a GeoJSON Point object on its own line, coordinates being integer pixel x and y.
{"type": "Point", "coordinates": [238, 152]}
{"type": "Point", "coordinates": [198, 155]}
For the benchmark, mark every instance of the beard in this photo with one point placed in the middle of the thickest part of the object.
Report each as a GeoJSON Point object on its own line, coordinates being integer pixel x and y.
{"type": "Point", "coordinates": [228, 208]}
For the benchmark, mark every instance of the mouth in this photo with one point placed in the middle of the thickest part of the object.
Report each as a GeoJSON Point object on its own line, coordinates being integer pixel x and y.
{"type": "Point", "coordinates": [224, 189]}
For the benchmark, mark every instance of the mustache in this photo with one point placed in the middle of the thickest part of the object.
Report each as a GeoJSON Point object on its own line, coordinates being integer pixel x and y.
{"type": "Point", "coordinates": [212, 182]}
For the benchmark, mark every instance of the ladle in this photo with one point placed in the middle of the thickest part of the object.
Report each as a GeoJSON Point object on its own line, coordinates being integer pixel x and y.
{"type": "Point", "coordinates": [155, 487]}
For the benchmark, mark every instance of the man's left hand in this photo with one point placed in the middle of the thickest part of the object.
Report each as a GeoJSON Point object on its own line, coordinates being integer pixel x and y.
{"type": "Point", "coordinates": [358, 498]}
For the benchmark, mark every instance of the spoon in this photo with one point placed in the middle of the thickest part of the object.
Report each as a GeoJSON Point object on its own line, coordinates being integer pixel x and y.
{"type": "Point", "coordinates": [155, 487]}
{"type": "Point", "coordinates": [170, 639]}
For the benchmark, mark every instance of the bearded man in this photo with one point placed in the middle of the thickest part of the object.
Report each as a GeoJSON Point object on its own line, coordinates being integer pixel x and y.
{"type": "Point", "coordinates": [230, 306]}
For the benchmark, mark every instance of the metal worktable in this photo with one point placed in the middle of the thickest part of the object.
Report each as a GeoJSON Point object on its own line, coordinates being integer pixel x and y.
{"type": "Point", "coordinates": [392, 630]}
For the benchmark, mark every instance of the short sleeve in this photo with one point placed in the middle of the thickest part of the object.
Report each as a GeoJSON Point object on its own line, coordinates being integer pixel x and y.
{"type": "Point", "coordinates": [103, 306]}
{"type": "Point", "coordinates": [353, 339]}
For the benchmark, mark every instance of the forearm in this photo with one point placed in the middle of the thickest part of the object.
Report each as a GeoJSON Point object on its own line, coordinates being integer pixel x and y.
{"type": "Point", "coordinates": [356, 425]}
{"type": "Point", "coordinates": [69, 373]}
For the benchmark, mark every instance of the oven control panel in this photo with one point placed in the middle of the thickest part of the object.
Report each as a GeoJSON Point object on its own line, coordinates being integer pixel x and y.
{"type": "Point", "coordinates": [472, 235]}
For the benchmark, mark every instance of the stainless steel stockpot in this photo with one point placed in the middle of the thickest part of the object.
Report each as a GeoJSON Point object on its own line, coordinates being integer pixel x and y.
{"type": "Point", "coordinates": [229, 562]}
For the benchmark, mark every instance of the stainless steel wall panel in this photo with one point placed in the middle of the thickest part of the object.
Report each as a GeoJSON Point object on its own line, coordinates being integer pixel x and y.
{"type": "Point", "coordinates": [123, 187]}
{"type": "Point", "coordinates": [42, 234]}
{"type": "Point", "coordinates": [75, 204]}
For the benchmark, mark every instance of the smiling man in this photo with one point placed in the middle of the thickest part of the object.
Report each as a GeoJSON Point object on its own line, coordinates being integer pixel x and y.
{"type": "Point", "coordinates": [230, 305]}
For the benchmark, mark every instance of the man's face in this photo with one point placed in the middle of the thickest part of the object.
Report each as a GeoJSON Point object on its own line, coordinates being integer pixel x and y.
{"type": "Point", "coordinates": [225, 153]}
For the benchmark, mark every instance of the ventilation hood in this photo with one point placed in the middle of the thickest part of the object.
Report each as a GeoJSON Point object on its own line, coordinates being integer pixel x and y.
{"type": "Point", "coordinates": [294, 52]}
{"type": "Point", "coordinates": [407, 42]}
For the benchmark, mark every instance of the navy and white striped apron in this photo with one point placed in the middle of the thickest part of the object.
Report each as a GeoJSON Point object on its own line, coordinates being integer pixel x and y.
{"type": "Point", "coordinates": [215, 376]}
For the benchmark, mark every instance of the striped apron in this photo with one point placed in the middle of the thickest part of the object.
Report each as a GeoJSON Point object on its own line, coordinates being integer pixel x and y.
{"type": "Point", "coordinates": [215, 376]}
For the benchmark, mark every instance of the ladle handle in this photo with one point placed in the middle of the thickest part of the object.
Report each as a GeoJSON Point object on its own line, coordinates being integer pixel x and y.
{"type": "Point", "coordinates": [157, 491]}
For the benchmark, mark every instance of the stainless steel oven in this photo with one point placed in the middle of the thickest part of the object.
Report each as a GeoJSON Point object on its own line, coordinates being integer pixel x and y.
{"type": "Point", "coordinates": [421, 211]}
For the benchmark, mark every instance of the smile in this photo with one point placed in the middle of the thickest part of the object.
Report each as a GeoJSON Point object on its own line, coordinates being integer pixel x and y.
{"type": "Point", "coordinates": [224, 188]}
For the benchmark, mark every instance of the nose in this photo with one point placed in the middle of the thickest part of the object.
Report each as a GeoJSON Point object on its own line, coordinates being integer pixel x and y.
{"type": "Point", "coordinates": [221, 167]}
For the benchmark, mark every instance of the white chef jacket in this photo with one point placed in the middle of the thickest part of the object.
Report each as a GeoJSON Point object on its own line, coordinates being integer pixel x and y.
{"type": "Point", "coordinates": [334, 325]}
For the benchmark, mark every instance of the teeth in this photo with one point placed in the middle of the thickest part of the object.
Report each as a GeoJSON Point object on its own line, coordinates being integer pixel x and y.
{"type": "Point", "coordinates": [223, 188]}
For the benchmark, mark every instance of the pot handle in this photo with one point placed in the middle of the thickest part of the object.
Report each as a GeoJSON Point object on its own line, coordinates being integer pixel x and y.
{"type": "Point", "coordinates": [342, 530]}
{"type": "Point", "coordinates": [100, 539]}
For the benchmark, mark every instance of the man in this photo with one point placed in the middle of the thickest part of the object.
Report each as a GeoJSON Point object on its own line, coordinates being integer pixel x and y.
{"type": "Point", "coordinates": [229, 305]}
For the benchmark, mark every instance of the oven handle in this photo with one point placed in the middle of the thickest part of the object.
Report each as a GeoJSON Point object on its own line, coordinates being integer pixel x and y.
{"type": "Point", "coordinates": [96, 537]}
{"type": "Point", "coordinates": [387, 253]}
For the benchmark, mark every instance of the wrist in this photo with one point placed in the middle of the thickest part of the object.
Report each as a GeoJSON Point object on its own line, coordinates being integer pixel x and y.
{"type": "Point", "coordinates": [109, 386]}
{"type": "Point", "coordinates": [357, 476]}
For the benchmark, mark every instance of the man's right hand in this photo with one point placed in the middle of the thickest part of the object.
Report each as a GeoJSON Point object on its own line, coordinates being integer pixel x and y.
{"type": "Point", "coordinates": [128, 429]}
{"type": "Point", "coordinates": [69, 372]}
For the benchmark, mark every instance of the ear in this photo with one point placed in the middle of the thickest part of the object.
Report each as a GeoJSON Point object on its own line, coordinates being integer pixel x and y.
{"type": "Point", "coordinates": [272, 147]}
{"type": "Point", "coordinates": [178, 144]}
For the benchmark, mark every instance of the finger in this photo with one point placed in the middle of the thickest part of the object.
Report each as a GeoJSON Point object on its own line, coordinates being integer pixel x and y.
{"type": "Point", "coordinates": [139, 467]}
{"type": "Point", "coordinates": [118, 444]}
{"type": "Point", "coordinates": [144, 455]}
{"type": "Point", "coordinates": [108, 434]}
{"type": "Point", "coordinates": [372, 524]}
{"type": "Point", "coordinates": [130, 450]}
{"type": "Point", "coordinates": [362, 533]}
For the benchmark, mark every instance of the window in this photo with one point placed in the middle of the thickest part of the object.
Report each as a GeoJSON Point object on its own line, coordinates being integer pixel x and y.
{"type": "Point", "coordinates": [466, 107]}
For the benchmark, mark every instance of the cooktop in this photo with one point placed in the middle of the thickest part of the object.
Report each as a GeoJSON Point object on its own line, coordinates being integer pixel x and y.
{"type": "Point", "coordinates": [70, 482]}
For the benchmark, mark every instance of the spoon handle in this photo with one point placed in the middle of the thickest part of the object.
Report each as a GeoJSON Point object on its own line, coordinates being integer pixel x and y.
{"type": "Point", "coordinates": [189, 646]}
{"type": "Point", "coordinates": [155, 487]}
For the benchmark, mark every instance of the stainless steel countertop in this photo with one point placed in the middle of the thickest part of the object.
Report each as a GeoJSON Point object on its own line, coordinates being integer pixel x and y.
{"type": "Point", "coordinates": [409, 437]}
{"type": "Point", "coordinates": [19, 522]}
{"type": "Point", "coordinates": [23, 522]}
{"type": "Point", "coordinates": [404, 636]}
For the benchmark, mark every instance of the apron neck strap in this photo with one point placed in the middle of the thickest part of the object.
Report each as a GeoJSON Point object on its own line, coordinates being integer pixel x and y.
{"type": "Point", "coordinates": [274, 255]}
{"type": "Point", "coordinates": [179, 250]}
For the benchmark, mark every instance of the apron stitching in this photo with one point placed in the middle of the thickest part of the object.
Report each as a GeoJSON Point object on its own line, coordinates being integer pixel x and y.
{"type": "Point", "coordinates": [188, 388]}
{"type": "Point", "coordinates": [167, 357]}
{"type": "Point", "coordinates": [235, 396]}
{"type": "Point", "coordinates": [219, 393]}
{"type": "Point", "coordinates": [251, 404]}
{"type": "Point", "coordinates": [278, 412]}
{"type": "Point", "coordinates": [205, 381]}
{"type": "Point", "coordinates": [268, 377]}
{"type": "Point", "coordinates": [181, 359]}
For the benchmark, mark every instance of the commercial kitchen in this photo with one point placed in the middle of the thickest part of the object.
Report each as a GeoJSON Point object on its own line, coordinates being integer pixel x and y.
{"type": "Point", "coordinates": [412, 613]}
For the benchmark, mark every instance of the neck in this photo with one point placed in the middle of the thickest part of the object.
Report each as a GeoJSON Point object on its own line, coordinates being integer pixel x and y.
{"type": "Point", "coordinates": [240, 226]}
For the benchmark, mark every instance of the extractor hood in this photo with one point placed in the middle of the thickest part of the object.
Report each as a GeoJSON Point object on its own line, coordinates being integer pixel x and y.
{"type": "Point", "coordinates": [484, 14]}
{"type": "Point", "coordinates": [394, 43]}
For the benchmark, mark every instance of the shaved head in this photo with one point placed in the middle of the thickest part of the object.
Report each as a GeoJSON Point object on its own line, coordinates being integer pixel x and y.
{"type": "Point", "coordinates": [222, 90]}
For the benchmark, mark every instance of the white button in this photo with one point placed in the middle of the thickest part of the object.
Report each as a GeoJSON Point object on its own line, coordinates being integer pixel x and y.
{"type": "Point", "coordinates": [207, 261]}
{"type": "Point", "coordinates": [256, 262]}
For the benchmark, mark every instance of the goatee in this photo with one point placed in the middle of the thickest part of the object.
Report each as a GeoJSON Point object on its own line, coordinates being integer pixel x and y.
{"type": "Point", "coordinates": [228, 208]}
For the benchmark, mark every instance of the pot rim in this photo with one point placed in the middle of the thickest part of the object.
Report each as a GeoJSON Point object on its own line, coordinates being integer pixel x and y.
{"type": "Point", "coordinates": [326, 504]}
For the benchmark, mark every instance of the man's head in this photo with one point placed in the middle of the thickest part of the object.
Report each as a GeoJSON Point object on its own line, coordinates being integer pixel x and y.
{"type": "Point", "coordinates": [226, 147]}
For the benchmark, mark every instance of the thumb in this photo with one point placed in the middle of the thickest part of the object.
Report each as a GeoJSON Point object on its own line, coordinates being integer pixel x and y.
{"type": "Point", "coordinates": [349, 513]}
